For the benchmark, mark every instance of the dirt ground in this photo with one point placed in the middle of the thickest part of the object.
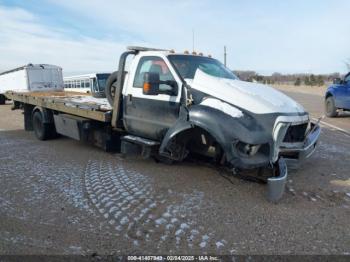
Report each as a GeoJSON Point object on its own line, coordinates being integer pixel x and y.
{"type": "Point", "coordinates": [64, 197]}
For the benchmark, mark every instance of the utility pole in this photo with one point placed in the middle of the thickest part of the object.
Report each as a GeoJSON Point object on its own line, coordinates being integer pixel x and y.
{"type": "Point", "coordinates": [225, 55]}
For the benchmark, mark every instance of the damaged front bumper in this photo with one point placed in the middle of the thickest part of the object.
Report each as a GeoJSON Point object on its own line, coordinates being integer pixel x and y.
{"type": "Point", "coordinates": [294, 155]}
{"type": "Point", "coordinates": [291, 156]}
{"type": "Point", "coordinates": [276, 184]}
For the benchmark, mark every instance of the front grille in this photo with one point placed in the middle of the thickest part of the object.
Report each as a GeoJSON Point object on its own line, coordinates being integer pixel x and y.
{"type": "Point", "coordinates": [295, 133]}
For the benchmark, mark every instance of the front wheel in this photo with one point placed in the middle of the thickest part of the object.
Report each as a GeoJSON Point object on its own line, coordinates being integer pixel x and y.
{"type": "Point", "coordinates": [331, 110]}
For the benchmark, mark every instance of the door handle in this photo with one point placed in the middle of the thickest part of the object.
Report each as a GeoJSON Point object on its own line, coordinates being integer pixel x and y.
{"type": "Point", "coordinates": [129, 99]}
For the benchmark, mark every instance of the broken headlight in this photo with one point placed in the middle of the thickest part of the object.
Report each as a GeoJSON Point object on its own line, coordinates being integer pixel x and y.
{"type": "Point", "coordinates": [250, 150]}
{"type": "Point", "coordinates": [247, 149]}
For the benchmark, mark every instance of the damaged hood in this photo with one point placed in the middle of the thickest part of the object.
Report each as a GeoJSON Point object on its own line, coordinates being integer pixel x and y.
{"type": "Point", "coordinates": [254, 97]}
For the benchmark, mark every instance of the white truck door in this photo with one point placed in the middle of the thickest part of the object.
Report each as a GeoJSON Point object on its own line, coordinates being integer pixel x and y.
{"type": "Point", "coordinates": [150, 116]}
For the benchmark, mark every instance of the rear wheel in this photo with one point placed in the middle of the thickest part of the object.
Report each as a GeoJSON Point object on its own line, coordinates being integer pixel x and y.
{"type": "Point", "coordinates": [2, 99]}
{"type": "Point", "coordinates": [331, 110]}
{"type": "Point", "coordinates": [41, 129]}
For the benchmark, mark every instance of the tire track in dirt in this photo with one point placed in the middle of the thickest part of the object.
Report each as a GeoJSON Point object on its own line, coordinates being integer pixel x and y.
{"type": "Point", "coordinates": [118, 197]}
{"type": "Point", "coordinates": [38, 179]}
{"type": "Point", "coordinates": [143, 216]}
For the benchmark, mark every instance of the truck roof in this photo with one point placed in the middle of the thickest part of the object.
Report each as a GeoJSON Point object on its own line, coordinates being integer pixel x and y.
{"type": "Point", "coordinates": [34, 66]}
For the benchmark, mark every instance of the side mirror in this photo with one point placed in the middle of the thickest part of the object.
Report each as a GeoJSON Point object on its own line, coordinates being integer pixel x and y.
{"type": "Point", "coordinates": [173, 89]}
{"type": "Point", "coordinates": [337, 81]}
{"type": "Point", "coordinates": [151, 84]}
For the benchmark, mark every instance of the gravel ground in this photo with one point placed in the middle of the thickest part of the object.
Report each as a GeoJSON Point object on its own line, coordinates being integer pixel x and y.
{"type": "Point", "coordinates": [65, 197]}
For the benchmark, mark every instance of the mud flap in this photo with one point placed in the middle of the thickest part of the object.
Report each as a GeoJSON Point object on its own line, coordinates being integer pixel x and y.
{"type": "Point", "coordinates": [276, 185]}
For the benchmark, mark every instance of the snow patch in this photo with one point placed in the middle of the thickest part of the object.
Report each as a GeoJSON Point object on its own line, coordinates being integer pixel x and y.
{"type": "Point", "coordinates": [178, 232]}
{"type": "Point", "coordinates": [203, 244]}
{"type": "Point", "coordinates": [101, 103]}
{"type": "Point", "coordinates": [205, 237]}
{"type": "Point", "coordinates": [124, 220]}
{"type": "Point", "coordinates": [184, 226]}
{"type": "Point", "coordinates": [219, 244]}
{"type": "Point", "coordinates": [160, 221]}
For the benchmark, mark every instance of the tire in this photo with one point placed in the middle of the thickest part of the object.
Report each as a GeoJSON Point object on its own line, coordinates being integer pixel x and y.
{"type": "Point", "coordinates": [41, 130]}
{"type": "Point", "coordinates": [111, 86]}
{"type": "Point", "coordinates": [2, 99]}
{"type": "Point", "coordinates": [331, 110]}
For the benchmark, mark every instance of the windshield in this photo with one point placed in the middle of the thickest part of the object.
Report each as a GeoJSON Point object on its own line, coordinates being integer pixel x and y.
{"type": "Point", "coordinates": [187, 66]}
{"type": "Point", "coordinates": [102, 79]}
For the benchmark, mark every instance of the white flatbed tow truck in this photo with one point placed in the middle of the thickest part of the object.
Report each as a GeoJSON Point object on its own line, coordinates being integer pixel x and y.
{"type": "Point", "coordinates": [172, 105]}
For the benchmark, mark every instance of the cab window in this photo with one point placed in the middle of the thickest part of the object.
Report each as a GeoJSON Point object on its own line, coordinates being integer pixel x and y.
{"type": "Point", "coordinates": [153, 65]}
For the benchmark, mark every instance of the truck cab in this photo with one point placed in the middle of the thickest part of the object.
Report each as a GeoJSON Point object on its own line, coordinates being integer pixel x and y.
{"type": "Point", "coordinates": [337, 96]}
{"type": "Point", "coordinates": [189, 103]}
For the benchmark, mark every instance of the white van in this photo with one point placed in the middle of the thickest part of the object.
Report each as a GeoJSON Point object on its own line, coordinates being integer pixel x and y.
{"type": "Point", "coordinates": [38, 77]}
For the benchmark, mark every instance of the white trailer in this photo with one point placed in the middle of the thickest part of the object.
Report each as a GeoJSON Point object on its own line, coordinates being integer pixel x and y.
{"type": "Point", "coordinates": [31, 77]}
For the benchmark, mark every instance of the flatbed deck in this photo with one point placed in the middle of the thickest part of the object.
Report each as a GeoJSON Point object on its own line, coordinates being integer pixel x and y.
{"type": "Point", "coordinates": [79, 104]}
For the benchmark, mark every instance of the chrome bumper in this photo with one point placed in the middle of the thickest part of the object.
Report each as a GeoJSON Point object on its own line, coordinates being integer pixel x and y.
{"type": "Point", "coordinates": [291, 157]}
{"type": "Point", "coordinates": [276, 185]}
{"type": "Point", "coordinates": [295, 155]}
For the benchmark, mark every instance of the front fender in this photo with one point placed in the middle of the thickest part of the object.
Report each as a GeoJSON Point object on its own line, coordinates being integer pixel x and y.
{"type": "Point", "coordinates": [179, 126]}
{"type": "Point", "coordinates": [334, 92]}
{"type": "Point", "coordinates": [228, 130]}
{"type": "Point", "coordinates": [225, 129]}
{"type": "Point", "coordinates": [330, 91]}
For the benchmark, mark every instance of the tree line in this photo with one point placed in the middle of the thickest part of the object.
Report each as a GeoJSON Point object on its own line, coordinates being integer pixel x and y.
{"type": "Point", "coordinates": [292, 79]}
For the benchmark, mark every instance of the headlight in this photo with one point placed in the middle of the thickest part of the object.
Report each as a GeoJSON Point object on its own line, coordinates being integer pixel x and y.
{"type": "Point", "coordinates": [247, 149]}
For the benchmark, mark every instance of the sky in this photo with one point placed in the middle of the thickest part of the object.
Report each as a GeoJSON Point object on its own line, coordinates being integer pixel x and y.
{"type": "Point", "coordinates": [85, 36]}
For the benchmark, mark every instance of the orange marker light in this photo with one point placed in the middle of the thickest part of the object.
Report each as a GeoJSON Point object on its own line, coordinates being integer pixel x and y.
{"type": "Point", "coordinates": [146, 87]}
